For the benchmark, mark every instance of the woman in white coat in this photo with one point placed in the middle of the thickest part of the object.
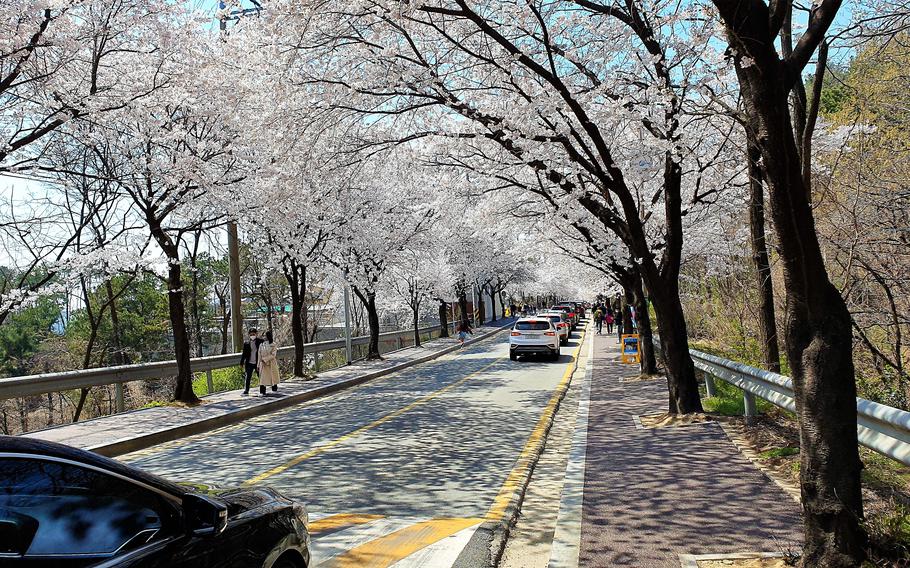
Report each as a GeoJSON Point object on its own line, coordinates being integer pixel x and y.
{"type": "Point", "coordinates": [268, 364]}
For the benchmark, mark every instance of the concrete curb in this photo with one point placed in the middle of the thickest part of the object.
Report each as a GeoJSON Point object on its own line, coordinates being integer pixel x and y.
{"type": "Point", "coordinates": [168, 434]}
{"type": "Point", "coordinates": [499, 530]}
{"type": "Point", "coordinates": [565, 549]}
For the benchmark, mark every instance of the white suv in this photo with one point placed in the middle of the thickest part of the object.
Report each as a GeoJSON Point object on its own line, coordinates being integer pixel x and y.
{"type": "Point", "coordinates": [561, 321]}
{"type": "Point", "coordinates": [534, 335]}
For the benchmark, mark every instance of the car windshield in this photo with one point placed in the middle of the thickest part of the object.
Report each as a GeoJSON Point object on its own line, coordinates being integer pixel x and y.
{"type": "Point", "coordinates": [532, 325]}
{"type": "Point", "coordinates": [554, 319]}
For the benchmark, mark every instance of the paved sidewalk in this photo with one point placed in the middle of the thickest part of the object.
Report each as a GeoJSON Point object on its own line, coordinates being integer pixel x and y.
{"type": "Point", "coordinates": [651, 495]}
{"type": "Point", "coordinates": [138, 429]}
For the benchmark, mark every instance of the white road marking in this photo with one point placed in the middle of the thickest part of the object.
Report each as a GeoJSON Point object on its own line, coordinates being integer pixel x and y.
{"type": "Point", "coordinates": [326, 547]}
{"type": "Point", "coordinates": [441, 554]}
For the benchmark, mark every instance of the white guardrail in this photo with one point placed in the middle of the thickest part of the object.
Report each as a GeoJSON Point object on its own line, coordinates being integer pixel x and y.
{"type": "Point", "coordinates": [879, 427]}
{"type": "Point", "coordinates": [32, 385]}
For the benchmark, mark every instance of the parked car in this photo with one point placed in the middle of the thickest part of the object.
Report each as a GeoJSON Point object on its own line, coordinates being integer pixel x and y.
{"type": "Point", "coordinates": [534, 335]}
{"type": "Point", "coordinates": [62, 507]}
{"type": "Point", "coordinates": [569, 311]}
{"type": "Point", "coordinates": [561, 321]}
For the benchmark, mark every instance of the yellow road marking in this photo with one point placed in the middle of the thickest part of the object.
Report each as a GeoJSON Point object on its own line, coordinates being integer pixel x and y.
{"type": "Point", "coordinates": [331, 444]}
{"type": "Point", "coordinates": [333, 522]}
{"type": "Point", "coordinates": [498, 508]}
{"type": "Point", "coordinates": [391, 548]}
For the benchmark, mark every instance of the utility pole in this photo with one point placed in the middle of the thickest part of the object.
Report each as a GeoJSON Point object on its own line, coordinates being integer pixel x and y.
{"type": "Point", "coordinates": [233, 241]}
{"type": "Point", "coordinates": [234, 276]}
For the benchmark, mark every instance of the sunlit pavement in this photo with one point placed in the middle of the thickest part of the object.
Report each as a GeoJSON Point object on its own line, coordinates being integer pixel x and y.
{"type": "Point", "coordinates": [402, 470]}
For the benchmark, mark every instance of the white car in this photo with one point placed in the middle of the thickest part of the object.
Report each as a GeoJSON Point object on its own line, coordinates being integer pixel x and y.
{"type": "Point", "coordinates": [534, 335]}
{"type": "Point", "coordinates": [561, 321]}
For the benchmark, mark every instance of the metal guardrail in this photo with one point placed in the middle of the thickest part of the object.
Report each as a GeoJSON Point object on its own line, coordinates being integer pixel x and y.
{"type": "Point", "coordinates": [881, 428]}
{"type": "Point", "coordinates": [55, 382]}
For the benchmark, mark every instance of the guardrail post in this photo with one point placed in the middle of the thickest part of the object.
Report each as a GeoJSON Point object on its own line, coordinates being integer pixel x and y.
{"type": "Point", "coordinates": [316, 362]}
{"type": "Point", "coordinates": [749, 405]}
{"type": "Point", "coordinates": [118, 397]}
{"type": "Point", "coordinates": [710, 389]}
{"type": "Point", "coordinates": [208, 382]}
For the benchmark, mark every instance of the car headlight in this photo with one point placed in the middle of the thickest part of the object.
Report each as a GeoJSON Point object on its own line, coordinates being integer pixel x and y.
{"type": "Point", "coordinates": [301, 513]}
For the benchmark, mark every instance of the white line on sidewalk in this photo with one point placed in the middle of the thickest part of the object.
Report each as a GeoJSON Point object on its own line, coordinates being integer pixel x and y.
{"type": "Point", "coordinates": [567, 536]}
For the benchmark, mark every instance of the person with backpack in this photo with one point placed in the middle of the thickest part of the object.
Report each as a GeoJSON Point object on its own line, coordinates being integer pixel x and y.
{"type": "Point", "coordinates": [618, 319]}
{"type": "Point", "coordinates": [599, 320]}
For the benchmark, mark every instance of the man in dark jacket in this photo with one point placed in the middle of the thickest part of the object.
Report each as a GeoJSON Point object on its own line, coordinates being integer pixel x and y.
{"type": "Point", "coordinates": [250, 357]}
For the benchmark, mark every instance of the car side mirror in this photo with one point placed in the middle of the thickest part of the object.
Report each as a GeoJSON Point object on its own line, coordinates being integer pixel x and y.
{"type": "Point", "coordinates": [204, 516]}
{"type": "Point", "coordinates": [16, 532]}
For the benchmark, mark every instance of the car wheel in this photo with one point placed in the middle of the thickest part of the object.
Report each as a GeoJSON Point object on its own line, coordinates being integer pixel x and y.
{"type": "Point", "coordinates": [554, 356]}
{"type": "Point", "coordinates": [513, 356]}
{"type": "Point", "coordinates": [285, 562]}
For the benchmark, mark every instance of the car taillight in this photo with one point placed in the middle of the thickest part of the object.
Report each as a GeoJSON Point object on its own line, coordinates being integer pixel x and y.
{"type": "Point", "coordinates": [550, 333]}
{"type": "Point", "coordinates": [514, 333]}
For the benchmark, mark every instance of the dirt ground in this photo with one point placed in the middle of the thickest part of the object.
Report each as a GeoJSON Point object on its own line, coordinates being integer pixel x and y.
{"type": "Point", "coordinates": [743, 563]}
{"type": "Point", "coordinates": [666, 420]}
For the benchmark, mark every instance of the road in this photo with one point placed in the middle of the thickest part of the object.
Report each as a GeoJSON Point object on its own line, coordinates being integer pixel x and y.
{"type": "Point", "coordinates": [403, 470]}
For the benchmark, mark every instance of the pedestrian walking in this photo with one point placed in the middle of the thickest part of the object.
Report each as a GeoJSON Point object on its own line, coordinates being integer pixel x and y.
{"type": "Point", "coordinates": [464, 328]}
{"type": "Point", "coordinates": [268, 364]}
{"type": "Point", "coordinates": [249, 358]}
{"type": "Point", "coordinates": [609, 319]}
{"type": "Point", "coordinates": [618, 319]}
{"type": "Point", "coordinates": [599, 320]}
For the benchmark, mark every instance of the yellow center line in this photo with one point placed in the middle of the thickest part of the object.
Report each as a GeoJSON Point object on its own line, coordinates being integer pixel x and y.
{"type": "Point", "coordinates": [332, 443]}
{"type": "Point", "coordinates": [501, 502]}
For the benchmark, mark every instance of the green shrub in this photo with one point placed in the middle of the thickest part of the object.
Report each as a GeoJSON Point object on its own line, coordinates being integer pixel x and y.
{"type": "Point", "coordinates": [227, 379]}
{"type": "Point", "coordinates": [728, 401]}
{"type": "Point", "coordinates": [779, 453]}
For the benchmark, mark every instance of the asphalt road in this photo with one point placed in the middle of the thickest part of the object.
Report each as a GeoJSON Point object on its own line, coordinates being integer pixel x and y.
{"type": "Point", "coordinates": [401, 470]}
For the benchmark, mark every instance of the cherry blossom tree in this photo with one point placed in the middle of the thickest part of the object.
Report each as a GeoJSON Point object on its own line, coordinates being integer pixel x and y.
{"type": "Point", "coordinates": [72, 60]}
{"type": "Point", "coordinates": [520, 87]}
{"type": "Point", "coordinates": [769, 62]}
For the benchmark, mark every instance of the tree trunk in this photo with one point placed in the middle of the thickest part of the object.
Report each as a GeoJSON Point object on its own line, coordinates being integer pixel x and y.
{"type": "Point", "coordinates": [480, 308]}
{"type": "Point", "coordinates": [682, 385]}
{"type": "Point", "coordinates": [368, 299]}
{"type": "Point", "coordinates": [443, 318]}
{"type": "Point", "coordinates": [194, 308]}
{"type": "Point", "coordinates": [492, 305]}
{"type": "Point", "coordinates": [463, 306]}
{"type": "Point", "coordinates": [819, 338]}
{"type": "Point", "coordinates": [183, 390]}
{"type": "Point", "coordinates": [416, 314]}
{"type": "Point", "coordinates": [648, 362]}
{"type": "Point", "coordinates": [120, 357]}
{"type": "Point", "coordinates": [295, 274]}
{"type": "Point", "coordinates": [767, 323]}
{"type": "Point", "coordinates": [502, 304]}
{"type": "Point", "coordinates": [225, 324]}
{"type": "Point", "coordinates": [94, 321]}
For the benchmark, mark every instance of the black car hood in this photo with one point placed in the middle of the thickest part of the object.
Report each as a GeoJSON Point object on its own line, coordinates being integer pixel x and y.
{"type": "Point", "coordinates": [238, 499]}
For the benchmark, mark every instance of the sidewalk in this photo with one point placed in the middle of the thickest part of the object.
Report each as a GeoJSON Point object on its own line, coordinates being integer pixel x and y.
{"type": "Point", "coordinates": [138, 429]}
{"type": "Point", "coordinates": [652, 495]}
